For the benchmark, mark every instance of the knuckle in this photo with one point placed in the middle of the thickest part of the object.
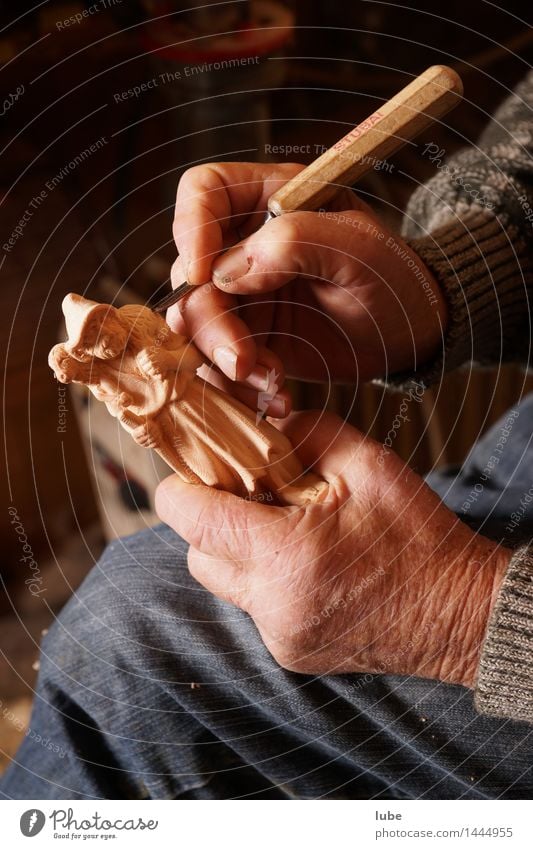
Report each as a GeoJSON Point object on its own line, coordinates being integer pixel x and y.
{"type": "Point", "coordinates": [293, 643]}
{"type": "Point", "coordinates": [291, 659]}
{"type": "Point", "coordinates": [191, 179]}
{"type": "Point", "coordinates": [275, 245]}
{"type": "Point", "coordinates": [177, 273]}
{"type": "Point", "coordinates": [282, 654]}
{"type": "Point", "coordinates": [291, 229]}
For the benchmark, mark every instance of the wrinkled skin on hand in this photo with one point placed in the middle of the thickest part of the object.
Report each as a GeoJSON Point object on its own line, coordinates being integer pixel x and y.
{"type": "Point", "coordinates": [378, 577]}
{"type": "Point", "coordinates": [331, 295]}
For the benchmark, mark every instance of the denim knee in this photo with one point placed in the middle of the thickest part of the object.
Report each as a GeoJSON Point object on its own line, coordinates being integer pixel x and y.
{"type": "Point", "coordinates": [119, 609]}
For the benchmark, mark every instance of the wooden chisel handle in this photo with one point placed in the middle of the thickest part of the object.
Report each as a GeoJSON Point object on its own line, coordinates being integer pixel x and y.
{"type": "Point", "coordinates": [426, 98]}
{"type": "Point", "coordinates": [407, 114]}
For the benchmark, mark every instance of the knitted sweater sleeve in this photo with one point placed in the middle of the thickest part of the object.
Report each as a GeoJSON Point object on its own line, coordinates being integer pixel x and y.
{"type": "Point", "coordinates": [472, 224]}
{"type": "Point", "coordinates": [505, 674]}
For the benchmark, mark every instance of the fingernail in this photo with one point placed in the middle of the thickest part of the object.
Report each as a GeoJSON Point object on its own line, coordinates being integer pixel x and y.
{"type": "Point", "coordinates": [226, 360]}
{"type": "Point", "coordinates": [258, 379]}
{"type": "Point", "coordinates": [276, 407]}
{"type": "Point", "coordinates": [231, 265]}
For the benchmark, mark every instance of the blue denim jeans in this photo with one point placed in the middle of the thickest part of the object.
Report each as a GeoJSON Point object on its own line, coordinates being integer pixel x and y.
{"type": "Point", "coordinates": [149, 687]}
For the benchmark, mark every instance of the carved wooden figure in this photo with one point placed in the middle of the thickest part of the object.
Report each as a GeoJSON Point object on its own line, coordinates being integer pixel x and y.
{"type": "Point", "coordinates": [146, 375]}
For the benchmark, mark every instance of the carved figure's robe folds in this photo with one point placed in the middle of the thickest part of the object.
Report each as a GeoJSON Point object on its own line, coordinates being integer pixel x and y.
{"type": "Point", "coordinates": [146, 375]}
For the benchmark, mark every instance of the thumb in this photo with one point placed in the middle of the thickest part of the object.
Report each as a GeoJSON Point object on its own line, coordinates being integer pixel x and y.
{"type": "Point", "coordinates": [351, 462]}
{"type": "Point", "coordinates": [294, 244]}
{"type": "Point", "coordinates": [215, 522]}
{"type": "Point", "coordinates": [334, 449]}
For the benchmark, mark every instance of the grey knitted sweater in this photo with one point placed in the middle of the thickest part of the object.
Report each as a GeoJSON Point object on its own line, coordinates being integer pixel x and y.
{"type": "Point", "coordinates": [472, 224]}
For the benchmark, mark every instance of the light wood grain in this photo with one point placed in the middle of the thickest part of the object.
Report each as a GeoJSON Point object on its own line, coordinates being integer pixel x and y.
{"type": "Point", "coordinates": [147, 377]}
{"type": "Point", "coordinates": [426, 99]}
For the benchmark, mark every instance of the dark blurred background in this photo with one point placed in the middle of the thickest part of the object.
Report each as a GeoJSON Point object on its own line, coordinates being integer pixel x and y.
{"type": "Point", "coordinates": [104, 105]}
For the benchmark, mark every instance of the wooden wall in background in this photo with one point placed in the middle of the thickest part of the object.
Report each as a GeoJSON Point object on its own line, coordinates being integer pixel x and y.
{"type": "Point", "coordinates": [440, 430]}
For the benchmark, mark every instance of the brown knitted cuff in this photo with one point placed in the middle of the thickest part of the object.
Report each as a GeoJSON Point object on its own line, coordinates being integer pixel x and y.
{"type": "Point", "coordinates": [505, 676]}
{"type": "Point", "coordinates": [484, 272]}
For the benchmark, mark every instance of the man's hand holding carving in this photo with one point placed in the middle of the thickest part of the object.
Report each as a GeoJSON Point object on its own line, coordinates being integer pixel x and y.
{"type": "Point", "coordinates": [345, 585]}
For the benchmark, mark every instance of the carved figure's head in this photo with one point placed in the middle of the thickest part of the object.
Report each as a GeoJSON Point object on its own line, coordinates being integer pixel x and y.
{"type": "Point", "coordinates": [94, 330]}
